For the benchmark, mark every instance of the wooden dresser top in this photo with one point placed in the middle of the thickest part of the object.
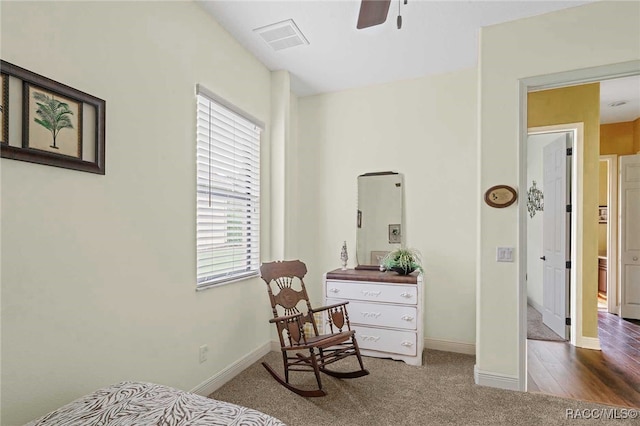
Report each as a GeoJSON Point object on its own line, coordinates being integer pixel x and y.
{"type": "Point", "coordinates": [377, 276]}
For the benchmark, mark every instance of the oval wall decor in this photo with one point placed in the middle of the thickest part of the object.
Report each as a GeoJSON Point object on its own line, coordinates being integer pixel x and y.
{"type": "Point", "coordinates": [500, 196]}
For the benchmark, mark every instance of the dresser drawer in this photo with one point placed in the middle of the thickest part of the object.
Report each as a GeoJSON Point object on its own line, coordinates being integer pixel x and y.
{"type": "Point", "coordinates": [381, 315]}
{"type": "Point", "coordinates": [372, 292]}
{"type": "Point", "coordinates": [391, 341]}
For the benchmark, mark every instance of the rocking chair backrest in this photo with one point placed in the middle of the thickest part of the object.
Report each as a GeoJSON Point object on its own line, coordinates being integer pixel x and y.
{"type": "Point", "coordinates": [281, 279]}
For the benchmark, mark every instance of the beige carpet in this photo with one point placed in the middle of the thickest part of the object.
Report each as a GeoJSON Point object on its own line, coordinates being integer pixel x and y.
{"type": "Point", "coordinates": [536, 329]}
{"type": "Point", "coordinates": [441, 392]}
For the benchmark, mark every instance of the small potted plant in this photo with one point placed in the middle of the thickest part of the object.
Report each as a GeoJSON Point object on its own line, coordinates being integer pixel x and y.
{"type": "Point", "coordinates": [403, 261]}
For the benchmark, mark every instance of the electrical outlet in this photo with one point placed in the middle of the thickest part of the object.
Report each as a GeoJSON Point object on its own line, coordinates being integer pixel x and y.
{"type": "Point", "coordinates": [204, 351]}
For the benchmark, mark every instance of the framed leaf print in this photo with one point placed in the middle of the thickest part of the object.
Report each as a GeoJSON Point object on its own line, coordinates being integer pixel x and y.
{"type": "Point", "coordinates": [59, 126]}
{"type": "Point", "coordinates": [53, 123]}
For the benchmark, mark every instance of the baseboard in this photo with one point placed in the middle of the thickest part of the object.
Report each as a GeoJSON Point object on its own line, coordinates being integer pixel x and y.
{"type": "Point", "coordinates": [216, 381]}
{"type": "Point", "coordinates": [450, 346]}
{"type": "Point", "coordinates": [495, 380]}
{"type": "Point", "coordinates": [275, 346]}
{"type": "Point", "coordinates": [588, 342]}
{"type": "Point", "coordinates": [535, 305]}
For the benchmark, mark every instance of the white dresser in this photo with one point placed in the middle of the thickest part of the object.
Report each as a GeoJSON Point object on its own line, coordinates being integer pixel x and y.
{"type": "Point", "coordinates": [385, 309]}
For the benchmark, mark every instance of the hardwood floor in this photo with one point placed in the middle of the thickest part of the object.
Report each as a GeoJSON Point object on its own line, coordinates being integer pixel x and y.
{"type": "Point", "coordinates": [610, 376]}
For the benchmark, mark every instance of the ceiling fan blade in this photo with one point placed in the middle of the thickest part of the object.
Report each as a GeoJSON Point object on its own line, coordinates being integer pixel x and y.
{"type": "Point", "coordinates": [372, 12]}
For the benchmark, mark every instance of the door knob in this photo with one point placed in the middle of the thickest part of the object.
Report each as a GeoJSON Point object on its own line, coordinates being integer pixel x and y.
{"type": "Point", "coordinates": [543, 258]}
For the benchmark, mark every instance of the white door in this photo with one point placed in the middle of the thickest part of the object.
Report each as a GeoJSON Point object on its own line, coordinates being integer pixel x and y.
{"type": "Point", "coordinates": [630, 236]}
{"type": "Point", "coordinates": [554, 237]}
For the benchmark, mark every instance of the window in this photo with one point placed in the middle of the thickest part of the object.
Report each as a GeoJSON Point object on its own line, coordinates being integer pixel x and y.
{"type": "Point", "coordinates": [228, 192]}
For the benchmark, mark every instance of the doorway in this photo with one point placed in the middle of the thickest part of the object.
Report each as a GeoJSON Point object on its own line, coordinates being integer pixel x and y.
{"type": "Point", "coordinates": [608, 291]}
{"type": "Point", "coordinates": [578, 363]}
{"type": "Point", "coordinates": [549, 152]}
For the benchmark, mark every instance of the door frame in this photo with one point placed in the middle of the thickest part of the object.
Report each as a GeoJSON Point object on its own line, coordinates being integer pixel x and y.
{"type": "Point", "coordinates": [549, 81]}
{"type": "Point", "coordinates": [574, 310]}
{"type": "Point", "coordinates": [613, 294]}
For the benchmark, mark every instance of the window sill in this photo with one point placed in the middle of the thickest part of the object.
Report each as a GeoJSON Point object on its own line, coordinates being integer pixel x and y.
{"type": "Point", "coordinates": [207, 286]}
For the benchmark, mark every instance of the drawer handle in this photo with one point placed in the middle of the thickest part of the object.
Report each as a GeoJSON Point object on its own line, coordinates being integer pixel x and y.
{"type": "Point", "coordinates": [371, 314]}
{"type": "Point", "coordinates": [407, 344]}
{"type": "Point", "coordinates": [407, 317]}
{"type": "Point", "coordinates": [635, 258]}
{"type": "Point", "coordinates": [406, 295]}
{"type": "Point", "coordinates": [371, 293]}
{"type": "Point", "coordinates": [334, 290]}
{"type": "Point", "coordinates": [371, 338]}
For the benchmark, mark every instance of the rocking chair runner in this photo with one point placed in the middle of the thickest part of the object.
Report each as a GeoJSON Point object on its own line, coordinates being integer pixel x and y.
{"type": "Point", "coordinates": [301, 352]}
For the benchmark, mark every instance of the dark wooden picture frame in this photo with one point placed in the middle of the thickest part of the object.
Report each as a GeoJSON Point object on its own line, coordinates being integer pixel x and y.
{"type": "Point", "coordinates": [42, 155]}
{"type": "Point", "coordinates": [4, 109]}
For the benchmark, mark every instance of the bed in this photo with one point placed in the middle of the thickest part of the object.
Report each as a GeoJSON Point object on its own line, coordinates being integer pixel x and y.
{"type": "Point", "coordinates": [140, 404]}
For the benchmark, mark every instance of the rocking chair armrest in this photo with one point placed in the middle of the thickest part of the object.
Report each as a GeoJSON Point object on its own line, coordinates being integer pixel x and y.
{"type": "Point", "coordinates": [284, 318]}
{"type": "Point", "coordinates": [324, 308]}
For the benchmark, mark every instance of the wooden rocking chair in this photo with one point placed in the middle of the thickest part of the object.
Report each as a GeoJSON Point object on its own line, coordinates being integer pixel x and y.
{"type": "Point", "coordinates": [300, 351]}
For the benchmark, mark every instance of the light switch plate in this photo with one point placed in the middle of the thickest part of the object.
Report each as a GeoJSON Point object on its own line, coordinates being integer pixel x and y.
{"type": "Point", "coordinates": [504, 254]}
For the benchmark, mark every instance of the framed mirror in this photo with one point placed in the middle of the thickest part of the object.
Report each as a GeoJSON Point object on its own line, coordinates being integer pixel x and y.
{"type": "Point", "coordinates": [379, 222]}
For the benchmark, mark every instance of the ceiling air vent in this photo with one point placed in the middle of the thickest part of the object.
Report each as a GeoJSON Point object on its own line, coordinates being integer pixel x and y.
{"type": "Point", "coordinates": [282, 35]}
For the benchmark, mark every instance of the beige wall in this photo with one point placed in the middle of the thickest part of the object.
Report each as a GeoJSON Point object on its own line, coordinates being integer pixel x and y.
{"type": "Point", "coordinates": [603, 180]}
{"type": "Point", "coordinates": [586, 36]}
{"type": "Point", "coordinates": [578, 104]}
{"type": "Point", "coordinates": [292, 239]}
{"type": "Point", "coordinates": [636, 135]}
{"type": "Point", "coordinates": [98, 272]}
{"type": "Point", "coordinates": [617, 138]}
{"type": "Point", "coordinates": [280, 130]}
{"type": "Point", "coordinates": [425, 129]}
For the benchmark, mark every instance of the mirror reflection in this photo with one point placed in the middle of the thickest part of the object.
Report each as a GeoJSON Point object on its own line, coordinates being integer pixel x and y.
{"type": "Point", "coordinates": [380, 216]}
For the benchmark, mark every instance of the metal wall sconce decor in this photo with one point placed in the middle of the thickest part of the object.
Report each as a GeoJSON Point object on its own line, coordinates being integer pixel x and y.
{"type": "Point", "coordinates": [535, 200]}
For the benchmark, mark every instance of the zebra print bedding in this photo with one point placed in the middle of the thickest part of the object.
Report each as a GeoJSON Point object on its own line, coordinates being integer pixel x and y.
{"type": "Point", "coordinates": [142, 404]}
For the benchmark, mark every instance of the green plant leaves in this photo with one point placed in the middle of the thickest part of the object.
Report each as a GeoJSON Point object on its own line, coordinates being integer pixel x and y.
{"type": "Point", "coordinates": [404, 259]}
{"type": "Point", "coordinates": [54, 114]}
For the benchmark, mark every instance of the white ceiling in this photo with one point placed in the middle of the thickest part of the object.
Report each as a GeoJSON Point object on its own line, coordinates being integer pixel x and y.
{"type": "Point", "coordinates": [436, 37]}
{"type": "Point", "coordinates": [621, 89]}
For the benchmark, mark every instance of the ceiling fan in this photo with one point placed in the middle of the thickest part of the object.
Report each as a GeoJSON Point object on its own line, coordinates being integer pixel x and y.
{"type": "Point", "coordinates": [374, 12]}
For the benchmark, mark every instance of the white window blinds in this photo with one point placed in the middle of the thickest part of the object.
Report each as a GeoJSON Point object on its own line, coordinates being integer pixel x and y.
{"type": "Point", "coordinates": [228, 193]}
